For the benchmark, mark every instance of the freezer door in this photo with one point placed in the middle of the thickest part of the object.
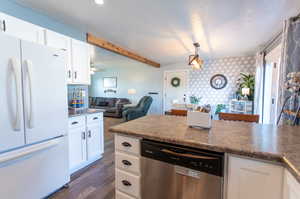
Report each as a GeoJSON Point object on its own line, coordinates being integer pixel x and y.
{"type": "Point", "coordinates": [35, 171]}
{"type": "Point", "coordinates": [11, 114]}
{"type": "Point", "coordinates": [45, 92]}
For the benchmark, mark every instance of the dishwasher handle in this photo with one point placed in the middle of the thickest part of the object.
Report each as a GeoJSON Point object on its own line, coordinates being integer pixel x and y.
{"type": "Point", "coordinates": [188, 155]}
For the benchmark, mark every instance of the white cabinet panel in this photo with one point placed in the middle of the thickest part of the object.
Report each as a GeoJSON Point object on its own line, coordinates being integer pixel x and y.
{"type": "Point", "coordinates": [291, 186]}
{"type": "Point", "coordinates": [21, 29]}
{"type": "Point", "coordinates": [62, 42]}
{"type": "Point", "coordinates": [77, 147]}
{"type": "Point", "coordinates": [95, 141]}
{"type": "Point", "coordinates": [248, 179]}
{"type": "Point", "coordinates": [11, 114]}
{"type": "Point", "coordinates": [80, 62]}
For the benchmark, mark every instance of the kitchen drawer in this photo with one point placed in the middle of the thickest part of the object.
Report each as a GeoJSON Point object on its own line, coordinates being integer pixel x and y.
{"type": "Point", "coordinates": [93, 118]}
{"type": "Point", "coordinates": [127, 144]}
{"type": "Point", "coordinates": [120, 195]}
{"type": "Point", "coordinates": [75, 122]}
{"type": "Point", "coordinates": [128, 183]}
{"type": "Point", "coordinates": [128, 163]}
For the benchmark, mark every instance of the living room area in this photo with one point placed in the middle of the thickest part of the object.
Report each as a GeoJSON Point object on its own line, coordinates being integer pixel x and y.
{"type": "Point", "coordinates": [125, 88]}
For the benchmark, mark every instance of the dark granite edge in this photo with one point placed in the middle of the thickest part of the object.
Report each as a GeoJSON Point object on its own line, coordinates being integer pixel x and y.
{"type": "Point", "coordinates": [85, 112]}
{"type": "Point", "coordinates": [265, 156]}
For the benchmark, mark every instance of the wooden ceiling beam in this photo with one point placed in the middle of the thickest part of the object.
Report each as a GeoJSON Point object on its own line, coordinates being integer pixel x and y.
{"type": "Point", "coordinates": [117, 49]}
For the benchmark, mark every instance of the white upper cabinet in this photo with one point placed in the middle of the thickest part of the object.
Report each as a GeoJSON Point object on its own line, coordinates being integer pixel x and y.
{"type": "Point", "coordinates": [56, 40]}
{"type": "Point", "coordinates": [291, 188]}
{"type": "Point", "coordinates": [80, 62]}
{"type": "Point", "coordinates": [21, 29]}
{"type": "Point", "coordinates": [78, 52]}
{"type": "Point", "coordinates": [249, 179]}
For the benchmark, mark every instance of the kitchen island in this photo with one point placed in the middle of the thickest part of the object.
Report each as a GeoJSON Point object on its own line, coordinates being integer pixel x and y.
{"type": "Point", "coordinates": [274, 145]}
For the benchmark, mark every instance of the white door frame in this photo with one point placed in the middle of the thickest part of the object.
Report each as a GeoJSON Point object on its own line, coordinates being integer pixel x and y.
{"type": "Point", "coordinates": [165, 84]}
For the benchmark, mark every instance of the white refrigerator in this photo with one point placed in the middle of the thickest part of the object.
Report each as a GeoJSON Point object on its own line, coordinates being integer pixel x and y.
{"type": "Point", "coordinates": [33, 120]}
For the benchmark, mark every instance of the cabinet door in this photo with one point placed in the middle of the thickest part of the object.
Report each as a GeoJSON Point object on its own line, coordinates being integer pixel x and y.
{"type": "Point", "coordinates": [248, 179]}
{"type": "Point", "coordinates": [56, 40]}
{"type": "Point", "coordinates": [21, 29]}
{"type": "Point", "coordinates": [95, 141]}
{"type": "Point", "coordinates": [291, 187]}
{"type": "Point", "coordinates": [77, 147]}
{"type": "Point", "coordinates": [80, 62]}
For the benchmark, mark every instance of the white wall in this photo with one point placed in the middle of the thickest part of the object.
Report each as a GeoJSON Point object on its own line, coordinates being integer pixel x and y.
{"type": "Point", "coordinates": [135, 75]}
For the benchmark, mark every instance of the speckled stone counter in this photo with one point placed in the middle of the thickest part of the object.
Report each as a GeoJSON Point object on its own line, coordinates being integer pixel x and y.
{"type": "Point", "coordinates": [266, 142]}
{"type": "Point", "coordinates": [75, 113]}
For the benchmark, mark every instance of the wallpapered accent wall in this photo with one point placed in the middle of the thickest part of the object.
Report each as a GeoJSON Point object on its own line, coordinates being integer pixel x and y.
{"type": "Point", "coordinates": [199, 80]}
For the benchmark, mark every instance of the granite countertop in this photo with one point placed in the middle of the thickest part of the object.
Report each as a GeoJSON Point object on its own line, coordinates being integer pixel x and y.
{"type": "Point", "coordinates": [266, 142]}
{"type": "Point", "coordinates": [75, 113]}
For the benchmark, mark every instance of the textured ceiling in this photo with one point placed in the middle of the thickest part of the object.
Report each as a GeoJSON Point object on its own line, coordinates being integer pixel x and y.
{"type": "Point", "coordinates": [164, 30]}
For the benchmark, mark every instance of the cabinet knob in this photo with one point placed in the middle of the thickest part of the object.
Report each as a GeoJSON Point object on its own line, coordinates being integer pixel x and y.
{"type": "Point", "coordinates": [126, 183]}
{"type": "Point", "coordinates": [75, 74]}
{"type": "Point", "coordinates": [89, 133]}
{"type": "Point", "coordinates": [95, 118]}
{"type": "Point", "coordinates": [83, 135]}
{"type": "Point", "coordinates": [4, 25]}
{"type": "Point", "coordinates": [69, 73]}
{"type": "Point", "coordinates": [126, 144]}
{"type": "Point", "coordinates": [126, 162]}
{"type": "Point", "coordinates": [73, 123]}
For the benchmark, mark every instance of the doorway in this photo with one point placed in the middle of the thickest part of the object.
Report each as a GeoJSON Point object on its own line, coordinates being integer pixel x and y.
{"type": "Point", "coordinates": [271, 80]}
{"type": "Point", "coordinates": [175, 88]}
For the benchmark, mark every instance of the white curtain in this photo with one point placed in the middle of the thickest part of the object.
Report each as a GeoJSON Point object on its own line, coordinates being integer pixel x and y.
{"type": "Point", "coordinates": [259, 77]}
{"type": "Point", "coordinates": [283, 63]}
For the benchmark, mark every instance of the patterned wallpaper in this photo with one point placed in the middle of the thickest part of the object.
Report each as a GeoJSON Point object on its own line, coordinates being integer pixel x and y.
{"type": "Point", "coordinates": [199, 80]}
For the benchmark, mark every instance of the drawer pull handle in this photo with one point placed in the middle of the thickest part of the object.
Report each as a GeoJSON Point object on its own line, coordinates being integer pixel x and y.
{"type": "Point", "coordinates": [73, 123]}
{"type": "Point", "coordinates": [126, 183]}
{"type": "Point", "coordinates": [126, 144]}
{"type": "Point", "coordinates": [95, 118]}
{"type": "Point", "coordinates": [83, 136]}
{"type": "Point", "coordinates": [126, 162]}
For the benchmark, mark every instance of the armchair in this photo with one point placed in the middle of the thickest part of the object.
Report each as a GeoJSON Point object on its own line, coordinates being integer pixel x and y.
{"type": "Point", "coordinates": [140, 110]}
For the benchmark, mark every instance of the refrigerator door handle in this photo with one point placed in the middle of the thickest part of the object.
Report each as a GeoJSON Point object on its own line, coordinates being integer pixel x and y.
{"type": "Point", "coordinates": [29, 110]}
{"type": "Point", "coordinates": [13, 67]}
{"type": "Point", "coordinates": [17, 154]}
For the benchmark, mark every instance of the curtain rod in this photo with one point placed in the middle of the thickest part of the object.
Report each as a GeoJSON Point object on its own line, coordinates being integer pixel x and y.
{"type": "Point", "coordinates": [272, 43]}
{"type": "Point", "coordinates": [296, 17]}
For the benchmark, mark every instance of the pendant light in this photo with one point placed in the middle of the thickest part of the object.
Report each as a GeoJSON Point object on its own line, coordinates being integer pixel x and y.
{"type": "Point", "coordinates": [194, 60]}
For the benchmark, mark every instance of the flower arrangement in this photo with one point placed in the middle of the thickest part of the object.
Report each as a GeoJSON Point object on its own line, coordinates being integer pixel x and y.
{"type": "Point", "coordinates": [292, 83]}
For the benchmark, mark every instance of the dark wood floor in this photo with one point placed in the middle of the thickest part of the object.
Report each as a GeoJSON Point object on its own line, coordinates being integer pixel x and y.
{"type": "Point", "coordinates": [98, 180]}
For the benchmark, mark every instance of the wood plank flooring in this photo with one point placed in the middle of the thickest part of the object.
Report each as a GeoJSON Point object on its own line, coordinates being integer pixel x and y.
{"type": "Point", "coordinates": [98, 180]}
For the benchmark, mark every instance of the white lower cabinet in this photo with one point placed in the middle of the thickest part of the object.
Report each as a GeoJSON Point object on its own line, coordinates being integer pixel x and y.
{"type": "Point", "coordinates": [85, 141]}
{"type": "Point", "coordinates": [94, 137]}
{"type": "Point", "coordinates": [291, 188]}
{"type": "Point", "coordinates": [77, 147]}
{"type": "Point", "coordinates": [249, 179]}
{"type": "Point", "coordinates": [128, 171]}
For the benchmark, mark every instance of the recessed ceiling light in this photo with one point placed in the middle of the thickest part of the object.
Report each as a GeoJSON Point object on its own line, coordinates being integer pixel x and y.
{"type": "Point", "coordinates": [99, 2]}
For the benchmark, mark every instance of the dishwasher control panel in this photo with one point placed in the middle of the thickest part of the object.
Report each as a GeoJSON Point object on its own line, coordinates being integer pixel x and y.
{"type": "Point", "coordinates": [197, 159]}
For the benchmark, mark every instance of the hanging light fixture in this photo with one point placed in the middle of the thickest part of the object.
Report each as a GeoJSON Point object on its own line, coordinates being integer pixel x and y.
{"type": "Point", "coordinates": [194, 60]}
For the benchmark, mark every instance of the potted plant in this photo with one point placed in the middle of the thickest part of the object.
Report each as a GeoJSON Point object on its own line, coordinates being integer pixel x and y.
{"type": "Point", "coordinates": [246, 81]}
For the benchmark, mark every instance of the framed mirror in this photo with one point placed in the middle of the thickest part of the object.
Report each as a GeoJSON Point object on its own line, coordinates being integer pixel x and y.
{"type": "Point", "coordinates": [110, 82]}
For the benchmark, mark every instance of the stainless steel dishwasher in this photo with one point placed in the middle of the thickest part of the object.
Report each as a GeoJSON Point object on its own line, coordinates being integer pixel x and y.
{"type": "Point", "coordinates": [176, 172]}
